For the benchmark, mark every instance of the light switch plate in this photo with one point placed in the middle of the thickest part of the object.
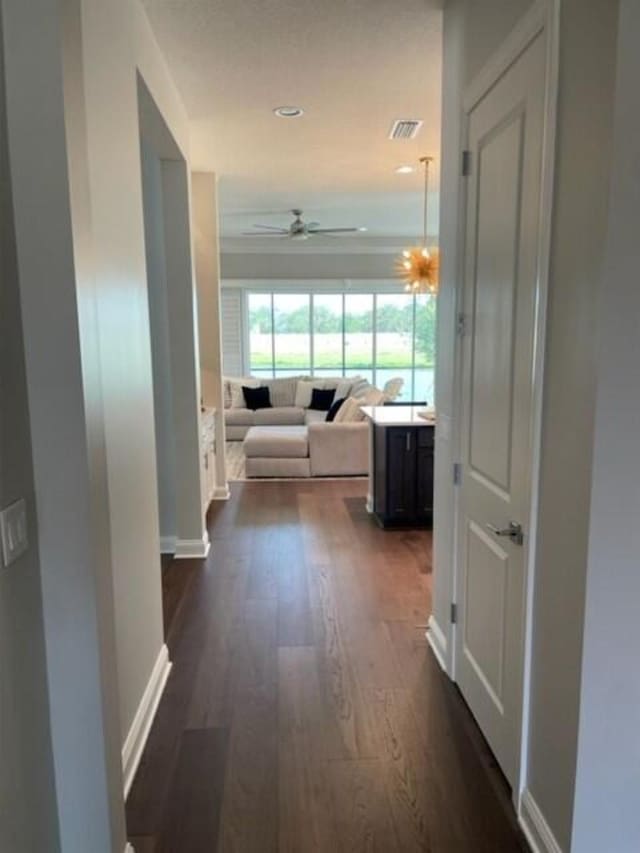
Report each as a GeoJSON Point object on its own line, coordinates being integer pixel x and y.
{"type": "Point", "coordinates": [13, 531]}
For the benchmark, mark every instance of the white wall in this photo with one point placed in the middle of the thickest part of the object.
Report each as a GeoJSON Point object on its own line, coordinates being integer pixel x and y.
{"type": "Point", "coordinates": [27, 785]}
{"type": "Point", "coordinates": [160, 341]}
{"type": "Point", "coordinates": [588, 32]}
{"type": "Point", "coordinates": [607, 799]}
{"type": "Point", "coordinates": [295, 265]}
{"type": "Point", "coordinates": [587, 70]}
{"type": "Point", "coordinates": [65, 408]}
{"type": "Point", "coordinates": [115, 41]}
{"type": "Point", "coordinates": [72, 101]}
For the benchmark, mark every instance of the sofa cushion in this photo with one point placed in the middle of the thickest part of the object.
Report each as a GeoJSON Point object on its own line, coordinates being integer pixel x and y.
{"type": "Point", "coordinates": [280, 416]}
{"type": "Point", "coordinates": [339, 450]}
{"type": "Point", "coordinates": [282, 442]}
{"type": "Point", "coordinates": [322, 398]}
{"type": "Point", "coordinates": [304, 390]}
{"type": "Point", "coordinates": [313, 416]}
{"type": "Point", "coordinates": [257, 398]}
{"type": "Point", "coordinates": [226, 390]}
{"type": "Point", "coordinates": [373, 397]}
{"type": "Point", "coordinates": [239, 417]}
{"type": "Point", "coordinates": [343, 388]}
{"type": "Point", "coordinates": [237, 396]}
{"type": "Point", "coordinates": [333, 411]}
{"type": "Point", "coordinates": [282, 390]}
{"type": "Point", "coordinates": [350, 412]}
{"type": "Point", "coordinates": [360, 386]}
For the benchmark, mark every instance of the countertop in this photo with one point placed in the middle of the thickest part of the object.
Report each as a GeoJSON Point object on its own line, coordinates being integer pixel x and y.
{"type": "Point", "coordinates": [398, 415]}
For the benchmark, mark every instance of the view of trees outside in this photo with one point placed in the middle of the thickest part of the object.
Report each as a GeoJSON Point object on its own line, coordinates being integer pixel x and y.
{"type": "Point", "coordinates": [344, 337]}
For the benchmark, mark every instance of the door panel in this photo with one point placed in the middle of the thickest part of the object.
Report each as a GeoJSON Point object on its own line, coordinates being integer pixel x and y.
{"type": "Point", "coordinates": [505, 136]}
{"type": "Point", "coordinates": [486, 573]}
{"type": "Point", "coordinates": [499, 198]}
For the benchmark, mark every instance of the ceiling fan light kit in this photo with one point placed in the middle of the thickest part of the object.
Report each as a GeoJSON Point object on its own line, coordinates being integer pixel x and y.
{"type": "Point", "coordinates": [289, 112]}
{"type": "Point", "coordinates": [419, 267]}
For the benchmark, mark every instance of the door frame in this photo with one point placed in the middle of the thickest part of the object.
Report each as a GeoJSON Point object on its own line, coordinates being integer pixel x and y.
{"type": "Point", "coordinates": [544, 16]}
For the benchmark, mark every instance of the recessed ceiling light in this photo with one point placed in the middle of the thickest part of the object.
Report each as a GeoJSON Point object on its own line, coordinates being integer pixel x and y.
{"type": "Point", "coordinates": [363, 228]}
{"type": "Point", "coordinates": [405, 170]}
{"type": "Point", "coordinates": [289, 112]}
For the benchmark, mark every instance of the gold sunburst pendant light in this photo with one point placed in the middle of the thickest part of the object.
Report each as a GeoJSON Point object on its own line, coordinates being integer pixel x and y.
{"type": "Point", "coordinates": [419, 267]}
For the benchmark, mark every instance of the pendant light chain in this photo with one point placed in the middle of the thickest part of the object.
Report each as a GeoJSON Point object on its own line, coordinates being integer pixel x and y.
{"type": "Point", "coordinates": [419, 267]}
{"type": "Point", "coordinates": [426, 161]}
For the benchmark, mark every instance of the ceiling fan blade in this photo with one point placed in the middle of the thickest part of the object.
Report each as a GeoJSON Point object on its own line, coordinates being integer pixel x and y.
{"type": "Point", "coordinates": [265, 233]}
{"type": "Point", "coordinates": [332, 230]}
{"type": "Point", "coordinates": [272, 228]}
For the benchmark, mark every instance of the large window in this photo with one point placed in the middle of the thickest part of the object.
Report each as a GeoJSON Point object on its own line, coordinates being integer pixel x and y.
{"type": "Point", "coordinates": [376, 335]}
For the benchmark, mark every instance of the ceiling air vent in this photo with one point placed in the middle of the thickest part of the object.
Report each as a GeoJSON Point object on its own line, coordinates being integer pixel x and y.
{"type": "Point", "coordinates": [405, 128]}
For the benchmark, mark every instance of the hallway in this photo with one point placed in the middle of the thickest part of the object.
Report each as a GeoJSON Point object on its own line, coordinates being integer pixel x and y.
{"type": "Point", "coordinates": [305, 711]}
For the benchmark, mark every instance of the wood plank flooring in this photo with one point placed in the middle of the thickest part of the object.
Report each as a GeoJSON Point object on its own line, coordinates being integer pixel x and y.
{"type": "Point", "coordinates": [305, 712]}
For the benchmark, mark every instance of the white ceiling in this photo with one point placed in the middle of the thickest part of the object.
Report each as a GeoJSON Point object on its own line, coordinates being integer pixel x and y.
{"type": "Point", "coordinates": [353, 65]}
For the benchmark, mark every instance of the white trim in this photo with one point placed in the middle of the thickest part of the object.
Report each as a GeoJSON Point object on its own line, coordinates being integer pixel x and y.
{"type": "Point", "coordinates": [140, 727]}
{"type": "Point", "coordinates": [535, 827]}
{"type": "Point", "coordinates": [552, 25]}
{"type": "Point", "coordinates": [192, 549]}
{"type": "Point", "coordinates": [438, 642]}
{"type": "Point", "coordinates": [518, 40]}
{"type": "Point", "coordinates": [167, 544]}
{"type": "Point", "coordinates": [324, 286]}
{"type": "Point", "coordinates": [129, 849]}
{"type": "Point", "coordinates": [221, 493]}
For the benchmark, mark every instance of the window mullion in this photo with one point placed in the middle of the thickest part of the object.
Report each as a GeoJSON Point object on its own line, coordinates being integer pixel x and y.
{"type": "Point", "coordinates": [344, 361]}
{"type": "Point", "coordinates": [312, 366]}
{"type": "Point", "coordinates": [273, 338]}
{"type": "Point", "coordinates": [374, 340]}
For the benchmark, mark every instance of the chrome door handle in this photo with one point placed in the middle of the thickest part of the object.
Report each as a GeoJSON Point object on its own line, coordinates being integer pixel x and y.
{"type": "Point", "coordinates": [513, 531]}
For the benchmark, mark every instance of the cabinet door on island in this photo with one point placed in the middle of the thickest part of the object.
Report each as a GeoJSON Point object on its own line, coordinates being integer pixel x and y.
{"type": "Point", "coordinates": [403, 475]}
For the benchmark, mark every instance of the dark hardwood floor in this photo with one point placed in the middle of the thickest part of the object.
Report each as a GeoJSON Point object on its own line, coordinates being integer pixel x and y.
{"type": "Point", "coordinates": [305, 711]}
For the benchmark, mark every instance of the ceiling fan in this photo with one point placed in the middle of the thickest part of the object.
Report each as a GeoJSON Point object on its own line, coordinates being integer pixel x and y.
{"type": "Point", "coordinates": [299, 230]}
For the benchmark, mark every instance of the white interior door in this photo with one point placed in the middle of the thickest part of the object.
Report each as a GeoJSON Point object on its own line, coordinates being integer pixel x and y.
{"type": "Point", "coordinates": [505, 140]}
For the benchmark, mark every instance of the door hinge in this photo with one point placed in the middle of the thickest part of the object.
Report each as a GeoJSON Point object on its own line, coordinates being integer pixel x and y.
{"type": "Point", "coordinates": [454, 613]}
{"type": "Point", "coordinates": [461, 325]}
{"type": "Point", "coordinates": [457, 473]}
{"type": "Point", "coordinates": [466, 163]}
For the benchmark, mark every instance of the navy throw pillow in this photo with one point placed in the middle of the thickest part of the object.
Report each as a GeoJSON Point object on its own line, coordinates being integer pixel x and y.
{"type": "Point", "coordinates": [333, 411]}
{"type": "Point", "coordinates": [322, 398]}
{"type": "Point", "coordinates": [257, 398]}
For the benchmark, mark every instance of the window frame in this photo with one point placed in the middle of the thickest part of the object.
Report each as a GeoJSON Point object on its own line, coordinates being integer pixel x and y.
{"type": "Point", "coordinates": [321, 289]}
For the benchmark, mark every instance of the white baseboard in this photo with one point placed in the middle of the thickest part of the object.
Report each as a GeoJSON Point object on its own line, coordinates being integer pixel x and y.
{"type": "Point", "coordinates": [369, 504]}
{"type": "Point", "coordinates": [167, 544]}
{"type": "Point", "coordinates": [221, 493]}
{"type": "Point", "coordinates": [438, 642]}
{"type": "Point", "coordinates": [141, 725]}
{"type": "Point", "coordinates": [192, 549]}
{"type": "Point", "coordinates": [535, 827]}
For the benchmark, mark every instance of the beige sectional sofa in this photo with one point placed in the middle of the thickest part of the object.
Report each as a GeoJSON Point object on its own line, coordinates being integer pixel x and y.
{"type": "Point", "coordinates": [284, 412]}
{"type": "Point", "coordinates": [317, 450]}
{"type": "Point", "coordinates": [291, 440]}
